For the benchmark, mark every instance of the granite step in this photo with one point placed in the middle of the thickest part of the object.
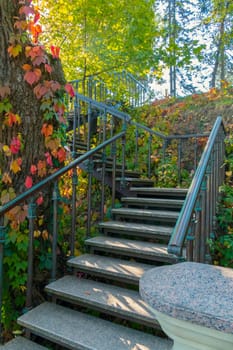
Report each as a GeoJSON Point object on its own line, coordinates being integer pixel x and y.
{"type": "Point", "coordinates": [159, 192]}
{"type": "Point", "coordinates": [146, 214]}
{"type": "Point", "coordinates": [111, 268]}
{"type": "Point", "coordinates": [137, 230]}
{"type": "Point", "coordinates": [20, 343]}
{"type": "Point", "coordinates": [153, 202]}
{"type": "Point", "coordinates": [131, 248]}
{"type": "Point", "coordinates": [120, 302]}
{"type": "Point", "coordinates": [74, 330]}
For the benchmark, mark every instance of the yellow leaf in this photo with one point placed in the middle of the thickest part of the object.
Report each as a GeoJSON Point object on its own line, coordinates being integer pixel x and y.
{"type": "Point", "coordinates": [229, 173]}
{"type": "Point", "coordinates": [15, 50]}
{"type": "Point", "coordinates": [6, 150]}
{"type": "Point", "coordinates": [15, 166]}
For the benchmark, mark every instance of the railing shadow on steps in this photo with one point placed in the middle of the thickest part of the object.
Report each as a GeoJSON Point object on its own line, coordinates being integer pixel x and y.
{"type": "Point", "coordinates": [197, 221]}
{"type": "Point", "coordinates": [111, 142]}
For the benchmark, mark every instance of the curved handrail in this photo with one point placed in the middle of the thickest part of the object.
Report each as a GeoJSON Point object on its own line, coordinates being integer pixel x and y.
{"type": "Point", "coordinates": [37, 187]}
{"type": "Point", "coordinates": [180, 231]}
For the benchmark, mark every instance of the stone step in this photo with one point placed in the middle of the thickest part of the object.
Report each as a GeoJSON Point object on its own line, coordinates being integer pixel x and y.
{"type": "Point", "coordinates": [159, 192]}
{"type": "Point", "coordinates": [111, 268]}
{"type": "Point", "coordinates": [152, 202]}
{"type": "Point", "coordinates": [130, 181]}
{"type": "Point", "coordinates": [107, 298]}
{"type": "Point", "coordinates": [131, 248]}
{"type": "Point", "coordinates": [129, 173]}
{"type": "Point", "coordinates": [74, 330]}
{"type": "Point", "coordinates": [139, 230]}
{"type": "Point", "coordinates": [20, 343]}
{"type": "Point", "coordinates": [146, 214]}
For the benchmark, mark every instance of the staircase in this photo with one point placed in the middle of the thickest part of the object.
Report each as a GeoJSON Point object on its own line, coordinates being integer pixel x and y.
{"type": "Point", "coordinates": [97, 305]}
{"type": "Point", "coordinates": [105, 280]}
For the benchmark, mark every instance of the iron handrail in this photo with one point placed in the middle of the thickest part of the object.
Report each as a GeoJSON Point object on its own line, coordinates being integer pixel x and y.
{"type": "Point", "coordinates": [180, 231]}
{"type": "Point", "coordinates": [53, 177]}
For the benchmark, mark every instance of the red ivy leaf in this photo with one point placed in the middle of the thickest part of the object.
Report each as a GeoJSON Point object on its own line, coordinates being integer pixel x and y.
{"type": "Point", "coordinates": [28, 182]}
{"type": "Point", "coordinates": [55, 50]}
{"type": "Point", "coordinates": [15, 145]}
{"type": "Point", "coordinates": [32, 77]}
{"type": "Point", "coordinates": [70, 90]}
{"type": "Point", "coordinates": [33, 169]}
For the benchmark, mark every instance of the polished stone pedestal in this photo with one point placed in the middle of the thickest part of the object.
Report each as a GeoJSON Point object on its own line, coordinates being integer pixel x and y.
{"type": "Point", "coordinates": [193, 303]}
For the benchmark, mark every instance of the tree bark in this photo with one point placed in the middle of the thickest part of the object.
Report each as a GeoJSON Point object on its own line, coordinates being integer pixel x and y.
{"type": "Point", "coordinates": [22, 99]}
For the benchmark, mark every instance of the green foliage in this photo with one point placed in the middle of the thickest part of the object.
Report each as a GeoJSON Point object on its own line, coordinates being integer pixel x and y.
{"type": "Point", "coordinates": [101, 36]}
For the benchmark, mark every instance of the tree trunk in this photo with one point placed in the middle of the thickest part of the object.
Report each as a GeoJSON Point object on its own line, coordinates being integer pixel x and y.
{"type": "Point", "coordinates": [23, 101]}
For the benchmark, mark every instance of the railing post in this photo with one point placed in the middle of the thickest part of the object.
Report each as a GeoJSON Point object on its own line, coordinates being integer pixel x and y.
{"type": "Point", "coordinates": [136, 148]}
{"type": "Point", "coordinates": [74, 211]}
{"type": "Point", "coordinates": [55, 230]}
{"type": "Point", "coordinates": [89, 206]}
{"type": "Point", "coordinates": [123, 144]}
{"type": "Point", "coordinates": [149, 156]}
{"type": "Point", "coordinates": [2, 243]}
{"type": "Point", "coordinates": [179, 160]}
{"type": "Point", "coordinates": [113, 153]}
{"type": "Point", "coordinates": [31, 218]}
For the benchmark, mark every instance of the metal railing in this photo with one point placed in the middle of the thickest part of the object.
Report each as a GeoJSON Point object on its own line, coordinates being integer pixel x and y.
{"type": "Point", "coordinates": [121, 87]}
{"type": "Point", "coordinates": [102, 120]}
{"type": "Point", "coordinates": [196, 223]}
{"type": "Point", "coordinates": [113, 132]}
{"type": "Point", "coordinates": [29, 197]}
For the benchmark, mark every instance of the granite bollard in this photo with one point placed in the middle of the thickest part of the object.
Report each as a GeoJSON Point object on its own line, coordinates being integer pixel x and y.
{"type": "Point", "coordinates": [193, 303]}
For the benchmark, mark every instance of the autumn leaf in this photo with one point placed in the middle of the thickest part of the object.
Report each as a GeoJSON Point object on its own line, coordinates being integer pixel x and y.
{"type": "Point", "coordinates": [40, 90]}
{"type": "Point", "coordinates": [33, 169]}
{"type": "Point", "coordinates": [28, 182]}
{"type": "Point", "coordinates": [12, 119]}
{"type": "Point", "coordinates": [6, 179]}
{"type": "Point", "coordinates": [4, 91]}
{"type": "Point", "coordinates": [48, 68]}
{"type": "Point", "coordinates": [15, 165]}
{"type": "Point", "coordinates": [70, 90]}
{"type": "Point", "coordinates": [47, 130]}
{"type": "Point", "coordinates": [32, 77]}
{"type": "Point", "coordinates": [15, 145]}
{"type": "Point", "coordinates": [14, 50]}
{"type": "Point", "coordinates": [40, 200]}
{"type": "Point", "coordinates": [41, 167]}
{"type": "Point", "coordinates": [6, 150]}
{"type": "Point", "coordinates": [27, 67]}
{"type": "Point", "coordinates": [55, 50]}
{"type": "Point", "coordinates": [49, 159]}
{"type": "Point", "coordinates": [26, 10]}
{"type": "Point", "coordinates": [52, 144]}
{"type": "Point", "coordinates": [61, 155]}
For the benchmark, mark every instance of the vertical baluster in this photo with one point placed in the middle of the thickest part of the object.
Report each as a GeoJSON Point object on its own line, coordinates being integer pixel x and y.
{"type": "Point", "coordinates": [55, 230]}
{"type": "Point", "coordinates": [149, 156]}
{"type": "Point", "coordinates": [74, 211]}
{"type": "Point", "coordinates": [208, 212]}
{"type": "Point", "coordinates": [203, 228]}
{"type": "Point", "coordinates": [103, 169]}
{"type": "Point", "coordinates": [195, 153]}
{"type": "Point", "coordinates": [89, 127]}
{"type": "Point", "coordinates": [31, 219]}
{"type": "Point", "coordinates": [113, 153]}
{"type": "Point", "coordinates": [123, 144]}
{"type": "Point", "coordinates": [76, 124]}
{"type": "Point", "coordinates": [136, 148]}
{"type": "Point", "coordinates": [89, 206]}
{"type": "Point", "coordinates": [190, 239]}
{"type": "Point", "coordinates": [197, 248]}
{"type": "Point", "coordinates": [2, 243]}
{"type": "Point", "coordinates": [179, 160]}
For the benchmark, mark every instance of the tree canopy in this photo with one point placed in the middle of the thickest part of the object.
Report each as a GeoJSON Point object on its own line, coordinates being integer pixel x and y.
{"type": "Point", "coordinates": [101, 36]}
